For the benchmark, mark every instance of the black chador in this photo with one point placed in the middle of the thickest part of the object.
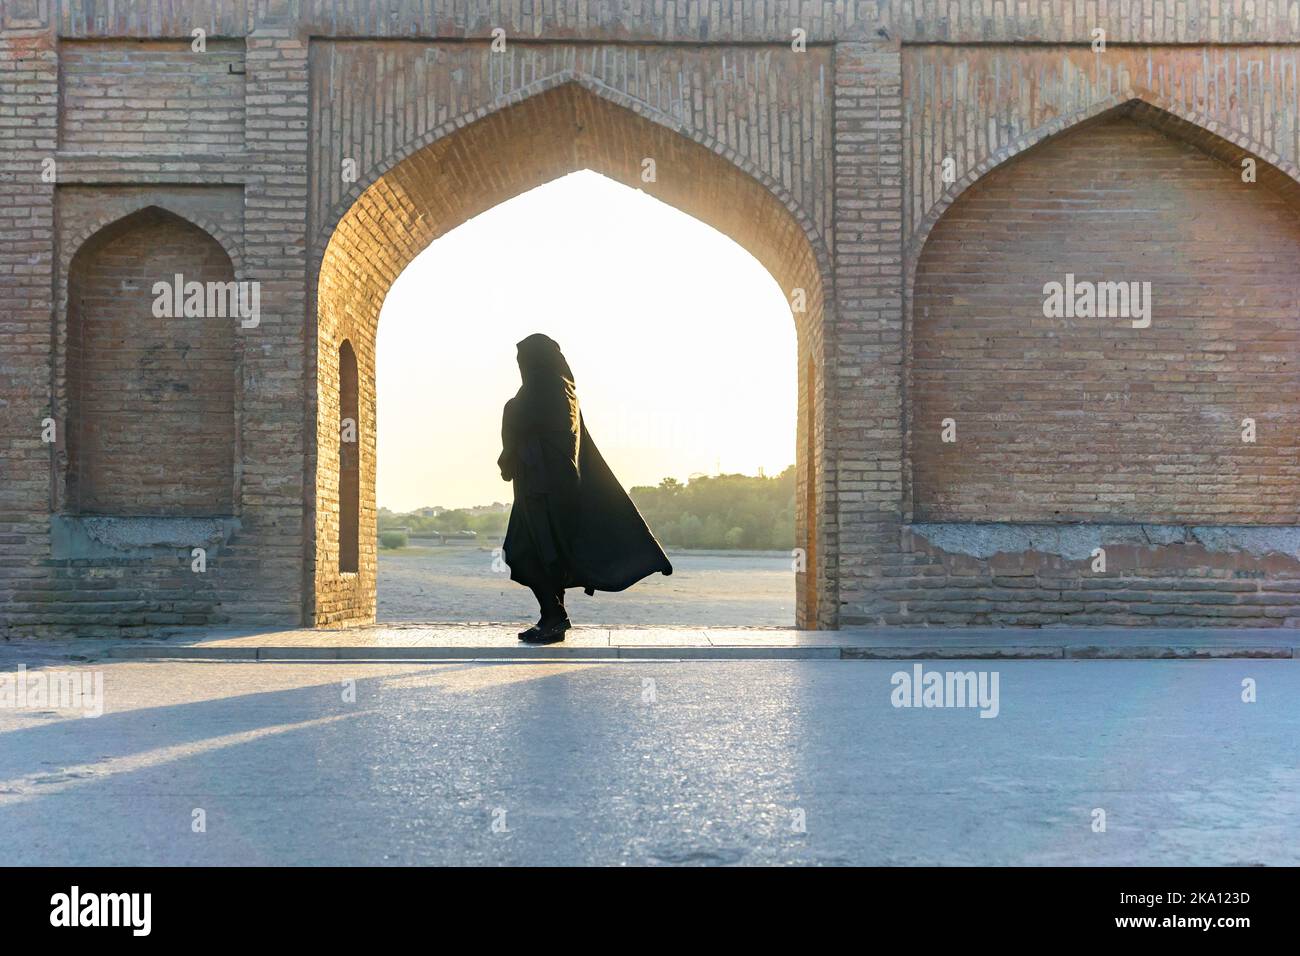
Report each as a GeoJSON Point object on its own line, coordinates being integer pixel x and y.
{"type": "Point", "coordinates": [572, 524]}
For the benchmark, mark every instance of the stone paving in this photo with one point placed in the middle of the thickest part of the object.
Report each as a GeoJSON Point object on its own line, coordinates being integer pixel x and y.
{"type": "Point", "coordinates": [498, 641]}
{"type": "Point", "coordinates": [655, 763]}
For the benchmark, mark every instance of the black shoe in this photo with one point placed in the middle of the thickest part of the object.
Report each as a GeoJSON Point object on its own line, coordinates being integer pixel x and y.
{"type": "Point", "coordinates": [551, 632]}
{"type": "Point", "coordinates": [531, 634]}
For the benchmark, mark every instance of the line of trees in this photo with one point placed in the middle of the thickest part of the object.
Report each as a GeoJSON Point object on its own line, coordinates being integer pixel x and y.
{"type": "Point", "coordinates": [742, 512]}
{"type": "Point", "coordinates": [720, 512]}
{"type": "Point", "coordinates": [486, 524]}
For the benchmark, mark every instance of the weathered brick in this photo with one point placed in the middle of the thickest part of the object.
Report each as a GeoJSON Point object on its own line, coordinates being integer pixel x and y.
{"type": "Point", "coordinates": [826, 164]}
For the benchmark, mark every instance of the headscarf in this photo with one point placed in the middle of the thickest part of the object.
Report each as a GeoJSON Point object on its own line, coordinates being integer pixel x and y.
{"type": "Point", "coordinates": [547, 398]}
{"type": "Point", "coordinates": [540, 354]}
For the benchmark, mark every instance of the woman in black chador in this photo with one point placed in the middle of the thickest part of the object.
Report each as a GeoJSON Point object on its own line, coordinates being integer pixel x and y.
{"type": "Point", "coordinates": [572, 525]}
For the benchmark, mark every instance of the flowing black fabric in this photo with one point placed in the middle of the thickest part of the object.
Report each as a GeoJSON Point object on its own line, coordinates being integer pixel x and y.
{"type": "Point", "coordinates": [572, 524]}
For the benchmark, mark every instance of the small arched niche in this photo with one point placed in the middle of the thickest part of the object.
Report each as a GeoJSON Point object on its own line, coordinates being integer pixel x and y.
{"type": "Point", "coordinates": [349, 462]}
{"type": "Point", "coordinates": [151, 387]}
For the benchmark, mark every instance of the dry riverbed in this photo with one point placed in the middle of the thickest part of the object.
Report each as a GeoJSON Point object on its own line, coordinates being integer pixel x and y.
{"type": "Point", "coordinates": [458, 583]}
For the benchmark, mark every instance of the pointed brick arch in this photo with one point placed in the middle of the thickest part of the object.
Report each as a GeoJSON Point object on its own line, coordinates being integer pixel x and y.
{"type": "Point", "coordinates": [562, 124]}
{"type": "Point", "coordinates": [384, 168]}
{"type": "Point", "coordinates": [73, 243]}
{"type": "Point", "coordinates": [1090, 420]}
{"type": "Point", "coordinates": [1144, 106]}
{"type": "Point", "coordinates": [150, 402]}
{"type": "Point", "coordinates": [1212, 137]}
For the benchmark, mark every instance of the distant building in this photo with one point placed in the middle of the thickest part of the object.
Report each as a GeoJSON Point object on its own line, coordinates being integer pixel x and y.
{"type": "Point", "coordinates": [443, 537]}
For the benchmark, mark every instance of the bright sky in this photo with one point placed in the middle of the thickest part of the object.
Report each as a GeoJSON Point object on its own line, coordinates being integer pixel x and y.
{"type": "Point", "coordinates": [682, 345]}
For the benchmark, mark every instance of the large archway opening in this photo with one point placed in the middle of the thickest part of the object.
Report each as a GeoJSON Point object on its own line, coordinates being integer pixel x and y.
{"type": "Point", "coordinates": [434, 187]}
{"type": "Point", "coordinates": [685, 358]}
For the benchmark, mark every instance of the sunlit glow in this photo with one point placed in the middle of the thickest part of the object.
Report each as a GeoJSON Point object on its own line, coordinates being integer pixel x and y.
{"type": "Point", "coordinates": [482, 676]}
{"type": "Point", "coordinates": [45, 783]}
{"type": "Point", "coordinates": [682, 344]}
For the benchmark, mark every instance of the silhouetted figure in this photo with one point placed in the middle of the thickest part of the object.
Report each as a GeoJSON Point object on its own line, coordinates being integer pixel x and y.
{"type": "Point", "coordinates": [572, 525]}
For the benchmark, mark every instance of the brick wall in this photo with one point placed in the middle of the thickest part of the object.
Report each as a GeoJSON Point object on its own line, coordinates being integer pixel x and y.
{"type": "Point", "coordinates": [865, 406]}
{"type": "Point", "coordinates": [978, 104]}
{"type": "Point", "coordinates": [151, 414]}
{"type": "Point", "coordinates": [717, 21]}
{"type": "Point", "coordinates": [1091, 419]}
{"type": "Point", "coordinates": [826, 164]}
{"type": "Point", "coordinates": [1154, 576]}
{"type": "Point", "coordinates": [141, 97]}
{"type": "Point", "coordinates": [28, 134]}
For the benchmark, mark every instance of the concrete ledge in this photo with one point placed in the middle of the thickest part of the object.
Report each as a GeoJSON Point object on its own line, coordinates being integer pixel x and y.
{"type": "Point", "coordinates": [91, 537]}
{"type": "Point", "coordinates": [161, 652]}
{"type": "Point", "coordinates": [560, 652]}
{"type": "Point", "coordinates": [1075, 542]}
{"type": "Point", "coordinates": [1160, 652]}
{"type": "Point", "coordinates": [964, 653]}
